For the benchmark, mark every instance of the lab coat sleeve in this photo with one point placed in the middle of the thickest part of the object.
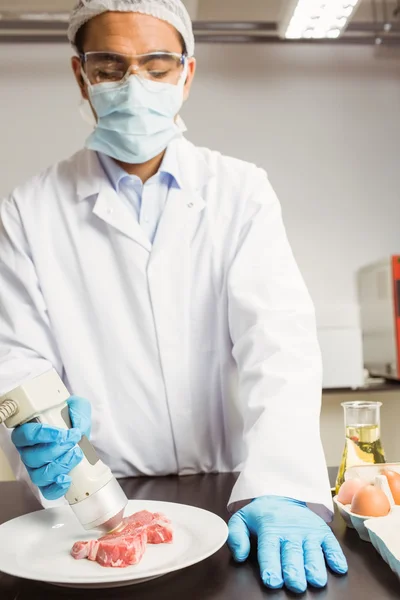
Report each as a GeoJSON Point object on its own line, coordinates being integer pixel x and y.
{"type": "Point", "coordinates": [27, 346]}
{"type": "Point", "coordinates": [273, 330]}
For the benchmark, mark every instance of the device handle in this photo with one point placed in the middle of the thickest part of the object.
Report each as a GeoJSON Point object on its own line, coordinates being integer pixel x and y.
{"type": "Point", "coordinates": [91, 473]}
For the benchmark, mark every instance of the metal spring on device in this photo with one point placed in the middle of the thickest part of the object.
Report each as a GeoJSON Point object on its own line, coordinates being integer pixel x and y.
{"type": "Point", "coordinates": [7, 409]}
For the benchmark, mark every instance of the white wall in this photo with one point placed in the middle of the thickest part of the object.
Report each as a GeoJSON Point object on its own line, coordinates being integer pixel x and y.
{"type": "Point", "coordinates": [39, 119]}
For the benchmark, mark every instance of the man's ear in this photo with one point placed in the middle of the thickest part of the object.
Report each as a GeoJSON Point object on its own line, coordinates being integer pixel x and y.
{"type": "Point", "coordinates": [76, 67]}
{"type": "Point", "coordinates": [190, 77]}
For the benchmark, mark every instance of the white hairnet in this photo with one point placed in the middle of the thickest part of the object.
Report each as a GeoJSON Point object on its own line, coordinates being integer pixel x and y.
{"type": "Point", "coordinates": [171, 11]}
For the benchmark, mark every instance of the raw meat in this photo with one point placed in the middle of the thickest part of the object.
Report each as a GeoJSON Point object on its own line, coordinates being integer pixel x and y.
{"type": "Point", "coordinates": [127, 545]}
{"type": "Point", "coordinates": [158, 527]}
{"type": "Point", "coordinates": [117, 552]}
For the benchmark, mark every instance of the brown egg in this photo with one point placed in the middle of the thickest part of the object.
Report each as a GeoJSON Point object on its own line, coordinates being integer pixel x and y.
{"type": "Point", "coordinates": [370, 501]}
{"type": "Point", "coordinates": [394, 484]}
{"type": "Point", "coordinates": [348, 490]}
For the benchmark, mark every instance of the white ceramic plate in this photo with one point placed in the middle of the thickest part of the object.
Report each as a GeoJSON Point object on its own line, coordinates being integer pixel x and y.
{"type": "Point", "coordinates": [37, 546]}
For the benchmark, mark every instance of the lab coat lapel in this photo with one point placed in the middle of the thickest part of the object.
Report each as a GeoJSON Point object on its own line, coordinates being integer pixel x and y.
{"type": "Point", "coordinates": [110, 208]}
{"type": "Point", "coordinates": [173, 234]}
{"type": "Point", "coordinates": [92, 183]}
{"type": "Point", "coordinates": [183, 205]}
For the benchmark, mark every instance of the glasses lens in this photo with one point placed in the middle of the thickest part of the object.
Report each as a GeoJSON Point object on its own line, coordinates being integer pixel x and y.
{"type": "Point", "coordinates": [106, 67]}
{"type": "Point", "coordinates": [165, 68]}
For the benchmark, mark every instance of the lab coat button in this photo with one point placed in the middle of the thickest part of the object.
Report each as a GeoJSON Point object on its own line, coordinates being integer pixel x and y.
{"type": "Point", "coordinates": [190, 205]}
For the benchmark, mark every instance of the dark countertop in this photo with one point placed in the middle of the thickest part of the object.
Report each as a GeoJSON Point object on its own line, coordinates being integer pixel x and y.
{"type": "Point", "coordinates": [217, 578]}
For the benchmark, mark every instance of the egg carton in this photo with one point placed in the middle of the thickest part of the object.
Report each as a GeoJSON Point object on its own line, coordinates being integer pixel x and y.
{"type": "Point", "coordinates": [368, 473]}
{"type": "Point", "coordinates": [382, 532]}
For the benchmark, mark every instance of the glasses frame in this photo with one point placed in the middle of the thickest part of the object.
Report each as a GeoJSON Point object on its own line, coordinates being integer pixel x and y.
{"type": "Point", "coordinates": [83, 56]}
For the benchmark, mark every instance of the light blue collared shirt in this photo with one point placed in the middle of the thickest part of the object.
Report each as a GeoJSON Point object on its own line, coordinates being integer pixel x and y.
{"type": "Point", "coordinates": [146, 200]}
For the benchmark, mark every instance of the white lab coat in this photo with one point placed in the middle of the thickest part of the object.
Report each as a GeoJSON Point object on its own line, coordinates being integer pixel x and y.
{"type": "Point", "coordinates": [199, 353]}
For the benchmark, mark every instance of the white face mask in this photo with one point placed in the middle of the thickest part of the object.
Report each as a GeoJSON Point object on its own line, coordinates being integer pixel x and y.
{"type": "Point", "coordinates": [136, 120]}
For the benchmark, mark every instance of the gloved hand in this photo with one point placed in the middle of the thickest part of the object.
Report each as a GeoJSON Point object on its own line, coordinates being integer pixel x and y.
{"type": "Point", "coordinates": [49, 454]}
{"type": "Point", "coordinates": [292, 542]}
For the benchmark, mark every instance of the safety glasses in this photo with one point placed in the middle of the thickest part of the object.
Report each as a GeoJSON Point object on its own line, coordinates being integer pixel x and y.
{"type": "Point", "coordinates": [112, 67]}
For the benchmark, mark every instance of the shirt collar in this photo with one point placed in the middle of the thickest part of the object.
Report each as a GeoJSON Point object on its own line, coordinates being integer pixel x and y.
{"type": "Point", "coordinates": [115, 173]}
{"type": "Point", "coordinates": [195, 168]}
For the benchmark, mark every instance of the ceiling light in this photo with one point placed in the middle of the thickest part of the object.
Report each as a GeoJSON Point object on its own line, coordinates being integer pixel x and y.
{"type": "Point", "coordinates": [317, 18]}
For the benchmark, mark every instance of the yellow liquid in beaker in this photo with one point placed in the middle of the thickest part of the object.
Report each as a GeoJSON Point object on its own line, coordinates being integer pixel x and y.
{"type": "Point", "coordinates": [363, 446]}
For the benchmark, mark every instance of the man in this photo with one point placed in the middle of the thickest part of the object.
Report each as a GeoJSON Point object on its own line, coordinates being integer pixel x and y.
{"type": "Point", "coordinates": [157, 279]}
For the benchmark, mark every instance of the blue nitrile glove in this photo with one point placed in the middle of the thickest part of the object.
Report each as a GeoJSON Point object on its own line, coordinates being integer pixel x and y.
{"type": "Point", "coordinates": [292, 542]}
{"type": "Point", "coordinates": [49, 454]}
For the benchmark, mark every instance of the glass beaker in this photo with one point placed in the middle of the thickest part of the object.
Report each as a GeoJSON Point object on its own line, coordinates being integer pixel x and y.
{"type": "Point", "coordinates": [363, 437]}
